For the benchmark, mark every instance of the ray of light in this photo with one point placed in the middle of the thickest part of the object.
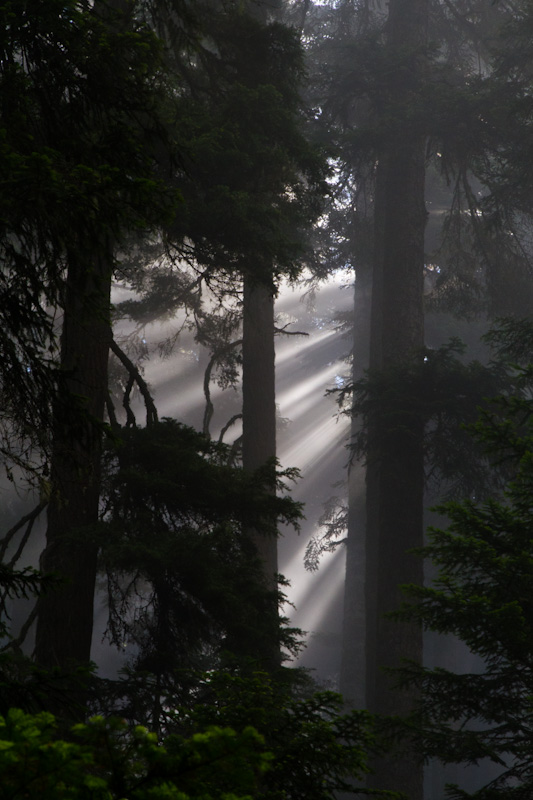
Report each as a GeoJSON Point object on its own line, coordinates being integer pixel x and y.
{"type": "Point", "coordinates": [310, 447]}
{"type": "Point", "coordinates": [314, 596]}
{"type": "Point", "coordinates": [292, 400]}
{"type": "Point", "coordinates": [290, 350]}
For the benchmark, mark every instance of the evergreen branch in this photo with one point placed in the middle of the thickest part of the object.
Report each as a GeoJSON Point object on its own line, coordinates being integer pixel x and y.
{"type": "Point", "coordinates": [209, 408]}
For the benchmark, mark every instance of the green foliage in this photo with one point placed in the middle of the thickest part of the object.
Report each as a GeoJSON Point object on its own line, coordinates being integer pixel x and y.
{"type": "Point", "coordinates": [443, 391]}
{"type": "Point", "coordinates": [512, 339]}
{"type": "Point", "coordinates": [474, 108]}
{"type": "Point", "coordinates": [32, 763]}
{"type": "Point", "coordinates": [79, 118]}
{"type": "Point", "coordinates": [185, 583]}
{"type": "Point", "coordinates": [107, 760]}
{"type": "Point", "coordinates": [19, 583]}
{"type": "Point", "coordinates": [317, 749]}
{"type": "Point", "coordinates": [81, 123]}
{"type": "Point", "coordinates": [256, 182]}
{"type": "Point", "coordinates": [483, 594]}
{"type": "Point", "coordinates": [251, 181]}
{"type": "Point", "coordinates": [309, 750]}
{"type": "Point", "coordinates": [22, 683]}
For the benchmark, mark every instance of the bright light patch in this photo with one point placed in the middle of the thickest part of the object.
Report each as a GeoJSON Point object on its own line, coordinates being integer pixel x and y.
{"type": "Point", "coordinates": [313, 443]}
{"type": "Point", "coordinates": [303, 395]}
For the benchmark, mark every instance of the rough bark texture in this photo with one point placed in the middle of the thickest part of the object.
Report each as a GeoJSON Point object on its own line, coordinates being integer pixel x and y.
{"type": "Point", "coordinates": [65, 615]}
{"type": "Point", "coordinates": [395, 460]}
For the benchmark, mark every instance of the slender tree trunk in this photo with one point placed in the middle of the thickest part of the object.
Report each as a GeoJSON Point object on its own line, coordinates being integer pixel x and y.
{"type": "Point", "coordinates": [65, 614]}
{"type": "Point", "coordinates": [259, 423]}
{"type": "Point", "coordinates": [259, 401]}
{"type": "Point", "coordinates": [353, 665]}
{"type": "Point", "coordinates": [395, 459]}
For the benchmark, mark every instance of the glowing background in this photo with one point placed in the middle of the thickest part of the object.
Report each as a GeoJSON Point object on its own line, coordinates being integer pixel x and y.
{"type": "Point", "coordinates": [311, 437]}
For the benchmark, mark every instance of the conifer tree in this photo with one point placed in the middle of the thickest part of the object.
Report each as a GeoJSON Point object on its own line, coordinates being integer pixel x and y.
{"type": "Point", "coordinates": [253, 186]}
{"type": "Point", "coordinates": [236, 106]}
{"type": "Point", "coordinates": [92, 74]}
{"type": "Point", "coordinates": [482, 594]}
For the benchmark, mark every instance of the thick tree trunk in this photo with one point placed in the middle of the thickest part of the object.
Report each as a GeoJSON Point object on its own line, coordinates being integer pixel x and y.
{"type": "Point", "coordinates": [395, 459]}
{"type": "Point", "coordinates": [65, 614]}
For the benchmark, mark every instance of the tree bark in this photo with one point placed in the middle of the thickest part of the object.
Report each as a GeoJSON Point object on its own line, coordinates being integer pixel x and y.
{"type": "Point", "coordinates": [353, 664]}
{"type": "Point", "coordinates": [259, 401]}
{"type": "Point", "coordinates": [259, 423]}
{"type": "Point", "coordinates": [65, 614]}
{"type": "Point", "coordinates": [395, 460]}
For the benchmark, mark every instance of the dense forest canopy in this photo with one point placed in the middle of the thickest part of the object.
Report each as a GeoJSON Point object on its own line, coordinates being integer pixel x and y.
{"type": "Point", "coordinates": [176, 178]}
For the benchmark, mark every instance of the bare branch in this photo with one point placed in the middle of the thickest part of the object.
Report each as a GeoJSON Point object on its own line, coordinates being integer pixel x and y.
{"type": "Point", "coordinates": [135, 377]}
{"type": "Point", "coordinates": [217, 355]}
{"type": "Point", "coordinates": [28, 519]}
{"type": "Point", "coordinates": [23, 542]}
{"type": "Point", "coordinates": [228, 424]}
{"type": "Point", "coordinates": [17, 643]}
{"type": "Point", "coordinates": [285, 332]}
{"type": "Point", "coordinates": [130, 416]}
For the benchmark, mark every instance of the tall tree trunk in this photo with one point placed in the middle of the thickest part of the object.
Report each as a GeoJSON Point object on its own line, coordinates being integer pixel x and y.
{"type": "Point", "coordinates": [259, 401]}
{"type": "Point", "coordinates": [65, 614]}
{"type": "Point", "coordinates": [395, 460]}
{"type": "Point", "coordinates": [353, 666]}
{"type": "Point", "coordinates": [259, 422]}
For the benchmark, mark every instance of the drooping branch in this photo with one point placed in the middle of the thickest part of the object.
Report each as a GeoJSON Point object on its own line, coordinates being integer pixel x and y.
{"type": "Point", "coordinates": [16, 644]}
{"type": "Point", "coordinates": [215, 358]}
{"type": "Point", "coordinates": [23, 542]}
{"type": "Point", "coordinates": [29, 520]}
{"type": "Point", "coordinates": [228, 425]}
{"type": "Point", "coordinates": [135, 377]}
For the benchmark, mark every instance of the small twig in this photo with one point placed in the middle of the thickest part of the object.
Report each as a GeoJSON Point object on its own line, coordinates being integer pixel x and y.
{"type": "Point", "coordinates": [136, 377]}
{"type": "Point", "coordinates": [289, 333]}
